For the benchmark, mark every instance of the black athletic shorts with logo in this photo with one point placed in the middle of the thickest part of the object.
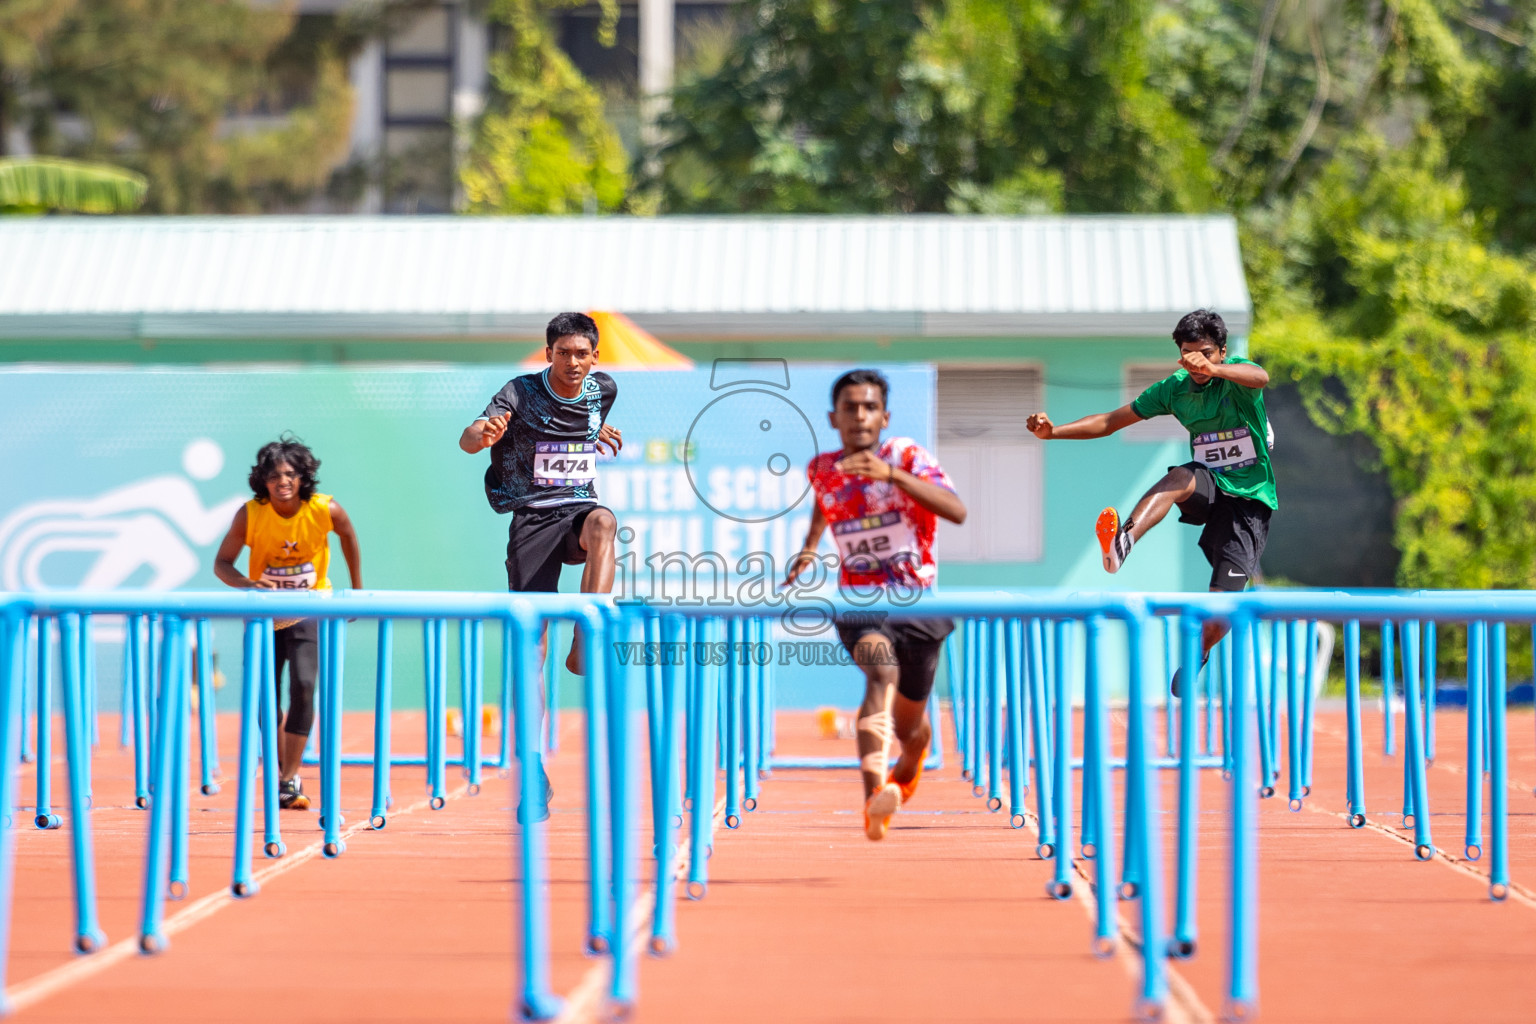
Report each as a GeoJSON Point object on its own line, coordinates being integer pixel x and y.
{"type": "Point", "coordinates": [917, 642]}
{"type": "Point", "coordinates": [541, 540]}
{"type": "Point", "coordinates": [1236, 530]}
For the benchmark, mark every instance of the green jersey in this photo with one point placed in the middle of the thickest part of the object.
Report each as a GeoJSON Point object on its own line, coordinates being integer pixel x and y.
{"type": "Point", "coordinates": [1228, 429]}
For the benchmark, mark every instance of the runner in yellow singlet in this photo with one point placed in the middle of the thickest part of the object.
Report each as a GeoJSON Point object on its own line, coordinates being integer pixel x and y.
{"type": "Point", "coordinates": [287, 526]}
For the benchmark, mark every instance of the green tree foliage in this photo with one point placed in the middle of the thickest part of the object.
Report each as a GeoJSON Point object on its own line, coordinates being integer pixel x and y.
{"type": "Point", "coordinates": [1376, 152]}
{"type": "Point", "coordinates": [543, 145]}
{"type": "Point", "coordinates": [987, 105]}
{"type": "Point", "coordinates": [152, 85]}
{"type": "Point", "coordinates": [44, 184]}
{"type": "Point", "coordinates": [1397, 320]}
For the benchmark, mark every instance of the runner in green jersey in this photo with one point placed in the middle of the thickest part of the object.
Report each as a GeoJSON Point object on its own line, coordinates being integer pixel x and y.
{"type": "Point", "coordinates": [1228, 486]}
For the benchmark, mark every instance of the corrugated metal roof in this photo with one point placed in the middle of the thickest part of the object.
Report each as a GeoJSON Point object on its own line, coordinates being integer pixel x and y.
{"type": "Point", "coordinates": [676, 276]}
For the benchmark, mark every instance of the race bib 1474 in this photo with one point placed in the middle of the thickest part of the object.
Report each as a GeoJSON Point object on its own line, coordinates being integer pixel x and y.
{"type": "Point", "coordinates": [564, 463]}
{"type": "Point", "coordinates": [1225, 449]}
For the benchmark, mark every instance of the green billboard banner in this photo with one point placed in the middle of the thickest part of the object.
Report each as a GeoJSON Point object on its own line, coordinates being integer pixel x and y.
{"type": "Point", "coordinates": [129, 478]}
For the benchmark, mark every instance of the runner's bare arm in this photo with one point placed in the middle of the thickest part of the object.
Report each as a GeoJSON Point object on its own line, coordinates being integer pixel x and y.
{"type": "Point", "coordinates": [1100, 424]}
{"type": "Point", "coordinates": [611, 436]}
{"type": "Point", "coordinates": [807, 552]}
{"type": "Point", "coordinates": [229, 550]}
{"type": "Point", "coordinates": [342, 524]}
{"type": "Point", "coordinates": [1249, 375]}
{"type": "Point", "coordinates": [483, 433]}
{"type": "Point", "coordinates": [938, 500]}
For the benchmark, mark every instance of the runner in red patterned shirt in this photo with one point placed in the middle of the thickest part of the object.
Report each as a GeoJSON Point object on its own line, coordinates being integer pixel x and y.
{"type": "Point", "coordinates": [883, 502]}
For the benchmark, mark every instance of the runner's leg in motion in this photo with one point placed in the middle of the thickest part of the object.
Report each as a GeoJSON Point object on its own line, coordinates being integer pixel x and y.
{"type": "Point", "coordinates": [875, 654]}
{"type": "Point", "coordinates": [1116, 538]}
{"type": "Point", "coordinates": [597, 540]}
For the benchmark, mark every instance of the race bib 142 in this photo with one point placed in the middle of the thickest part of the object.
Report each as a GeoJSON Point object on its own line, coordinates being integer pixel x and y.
{"type": "Point", "coordinates": [876, 543]}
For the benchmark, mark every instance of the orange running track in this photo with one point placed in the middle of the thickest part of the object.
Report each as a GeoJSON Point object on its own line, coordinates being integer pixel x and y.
{"type": "Point", "coordinates": [804, 920]}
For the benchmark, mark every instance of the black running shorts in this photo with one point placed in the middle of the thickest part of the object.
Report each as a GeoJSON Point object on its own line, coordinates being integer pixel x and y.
{"type": "Point", "coordinates": [1236, 530]}
{"type": "Point", "coordinates": [540, 541]}
{"type": "Point", "coordinates": [917, 642]}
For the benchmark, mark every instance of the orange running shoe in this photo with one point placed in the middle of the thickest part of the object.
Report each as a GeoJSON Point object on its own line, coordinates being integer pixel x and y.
{"type": "Point", "coordinates": [1114, 542]}
{"type": "Point", "coordinates": [908, 789]}
{"type": "Point", "coordinates": [879, 809]}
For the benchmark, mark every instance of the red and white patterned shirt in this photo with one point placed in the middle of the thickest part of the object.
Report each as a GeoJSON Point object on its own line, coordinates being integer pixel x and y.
{"type": "Point", "coordinates": [883, 536]}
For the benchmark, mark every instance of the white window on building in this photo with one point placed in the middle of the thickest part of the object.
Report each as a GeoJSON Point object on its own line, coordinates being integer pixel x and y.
{"type": "Point", "coordinates": [1135, 379]}
{"type": "Point", "coordinates": [995, 463]}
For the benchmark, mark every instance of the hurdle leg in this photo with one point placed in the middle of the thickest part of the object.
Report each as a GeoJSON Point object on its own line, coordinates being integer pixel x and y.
{"type": "Point", "coordinates": [271, 768]}
{"type": "Point", "coordinates": [508, 658]}
{"type": "Point", "coordinates": [44, 816]}
{"type": "Point", "coordinates": [995, 682]}
{"type": "Point", "coordinates": [622, 808]}
{"type": "Point", "coordinates": [139, 683]}
{"type": "Point", "coordinates": [704, 779]}
{"type": "Point", "coordinates": [88, 933]}
{"type": "Point", "coordinates": [1477, 675]}
{"type": "Point", "coordinates": [1267, 770]}
{"type": "Point", "coordinates": [1096, 712]}
{"type": "Point", "coordinates": [732, 708]}
{"type": "Point", "coordinates": [1009, 647]}
{"type": "Point", "coordinates": [1388, 684]}
{"type": "Point", "coordinates": [473, 724]}
{"type": "Point", "coordinates": [13, 683]}
{"type": "Point", "coordinates": [1308, 707]}
{"type": "Point", "coordinates": [1094, 750]}
{"type": "Point", "coordinates": [956, 698]}
{"type": "Point", "coordinates": [152, 937]}
{"type": "Point", "coordinates": [1498, 750]}
{"type": "Point", "coordinates": [1061, 883]}
{"type": "Point", "coordinates": [1183, 943]}
{"type": "Point", "coordinates": [1431, 672]}
{"type": "Point", "coordinates": [1423, 844]}
{"type": "Point", "coordinates": [241, 883]}
{"type": "Point", "coordinates": [28, 750]}
{"type": "Point", "coordinates": [1170, 646]}
{"type": "Point", "coordinates": [383, 709]}
{"type": "Point", "coordinates": [752, 674]}
{"type": "Point", "coordinates": [1045, 812]}
{"type": "Point", "coordinates": [1139, 755]}
{"type": "Point", "coordinates": [1243, 930]}
{"type": "Point", "coordinates": [1276, 641]}
{"type": "Point", "coordinates": [1293, 714]}
{"type": "Point", "coordinates": [600, 933]}
{"type": "Point", "coordinates": [207, 713]}
{"type": "Point", "coordinates": [330, 742]}
{"type": "Point", "coordinates": [664, 921]}
{"type": "Point", "coordinates": [438, 769]}
{"type": "Point", "coordinates": [180, 784]}
{"type": "Point", "coordinates": [125, 692]}
{"type": "Point", "coordinates": [535, 1000]}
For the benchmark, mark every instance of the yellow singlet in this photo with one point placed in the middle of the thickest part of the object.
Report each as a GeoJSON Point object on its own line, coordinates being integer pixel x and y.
{"type": "Point", "coordinates": [292, 553]}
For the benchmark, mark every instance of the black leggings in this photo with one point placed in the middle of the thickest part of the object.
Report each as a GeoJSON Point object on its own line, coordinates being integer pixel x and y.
{"type": "Point", "coordinates": [297, 647]}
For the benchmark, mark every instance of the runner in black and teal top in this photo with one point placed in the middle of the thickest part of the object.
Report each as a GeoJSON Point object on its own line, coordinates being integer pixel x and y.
{"type": "Point", "coordinates": [1227, 487]}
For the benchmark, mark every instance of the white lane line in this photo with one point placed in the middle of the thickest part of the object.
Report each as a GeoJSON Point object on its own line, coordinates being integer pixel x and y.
{"type": "Point", "coordinates": [29, 993]}
{"type": "Point", "coordinates": [1517, 893]}
{"type": "Point", "coordinates": [585, 1004]}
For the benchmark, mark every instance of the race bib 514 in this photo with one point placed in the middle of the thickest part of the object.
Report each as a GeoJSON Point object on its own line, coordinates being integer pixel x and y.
{"type": "Point", "coordinates": [564, 463]}
{"type": "Point", "coordinates": [1225, 449]}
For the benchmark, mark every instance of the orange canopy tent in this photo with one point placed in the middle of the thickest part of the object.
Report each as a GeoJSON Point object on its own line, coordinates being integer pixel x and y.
{"type": "Point", "coordinates": [625, 345]}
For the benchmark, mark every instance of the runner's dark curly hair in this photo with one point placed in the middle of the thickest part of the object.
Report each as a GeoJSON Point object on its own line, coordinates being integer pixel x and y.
{"type": "Point", "coordinates": [296, 453]}
{"type": "Point", "coordinates": [1201, 325]}
{"type": "Point", "coordinates": [853, 377]}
